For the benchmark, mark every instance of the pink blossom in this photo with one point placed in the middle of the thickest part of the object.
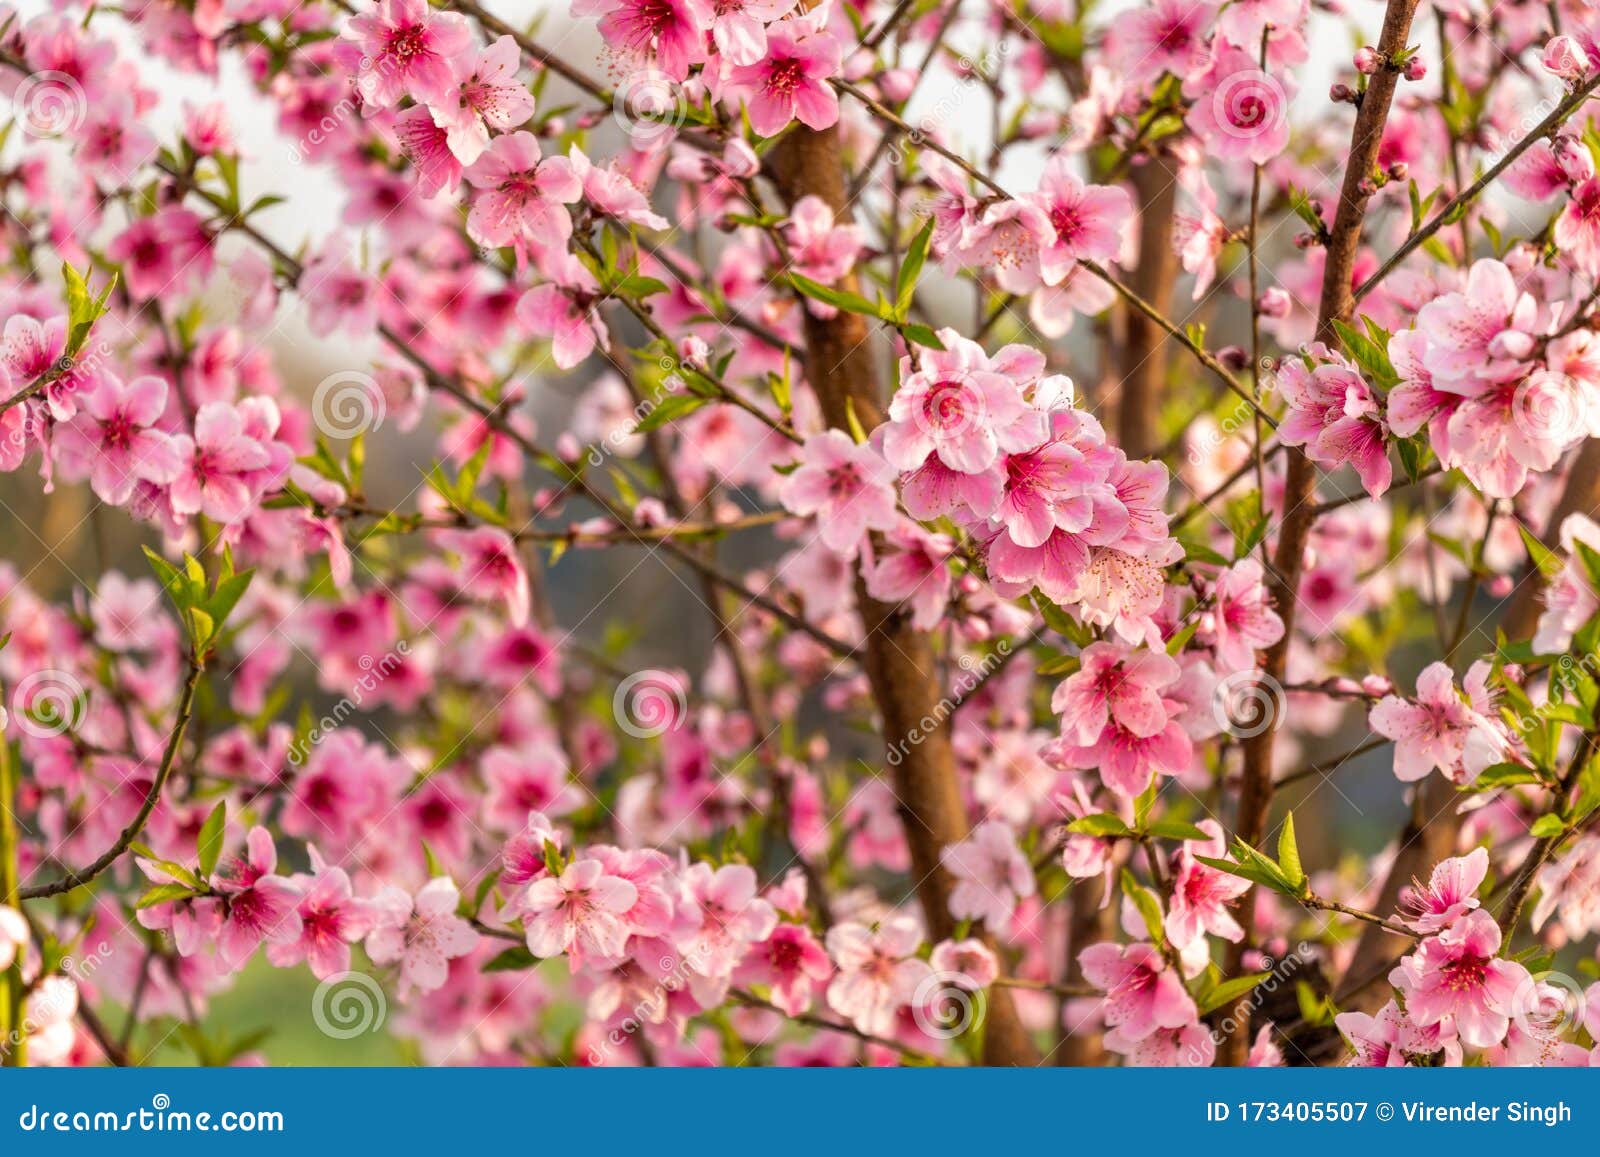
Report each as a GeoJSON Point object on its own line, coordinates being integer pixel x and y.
{"type": "Point", "coordinates": [521, 196]}
{"type": "Point", "coordinates": [421, 933]}
{"type": "Point", "coordinates": [260, 905]}
{"type": "Point", "coordinates": [1114, 682]}
{"type": "Point", "coordinates": [407, 49]}
{"type": "Point", "coordinates": [878, 971]}
{"type": "Point", "coordinates": [579, 913]}
{"type": "Point", "coordinates": [991, 875]}
{"type": "Point", "coordinates": [1202, 895]}
{"type": "Point", "coordinates": [113, 439]}
{"type": "Point", "coordinates": [790, 963]}
{"type": "Point", "coordinates": [1089, 221]}
{"type": "Point", "coordinates": [790, 82]}
{"type": "Point", "coordinates": [1241, 620]}
{"type": "Point", "coordinates": [848, 487]}
{"type": "Point", "coordinates": [486, 96]}
{"type": "Point", "coordinates": [1450, 893]}
{"type": "Point", "coordinates": [214, 463]}
{"type": "Point", "coordinates": [1456, 980]}
{"type": "Point", "coordinates": [1143, 995]}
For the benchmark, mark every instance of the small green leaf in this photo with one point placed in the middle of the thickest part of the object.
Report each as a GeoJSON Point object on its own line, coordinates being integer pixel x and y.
{"type": "Point", "coordinates": [209, 843]}
{"type": "Point", "coordinates": [162, 894]}
{"type": "Point", "coordinates": [1229, 991]}
{"type": "Point", "coordinates": [514, 959]}
{"type": "Point", "coordinates": [1101, 824]}
{"type": "Point", "coordinates": [1289, 853]}
{"type": "Point", "coordinates": [1547, 827]}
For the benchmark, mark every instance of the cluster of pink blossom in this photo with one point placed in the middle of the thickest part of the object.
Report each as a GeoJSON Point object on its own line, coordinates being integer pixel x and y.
{"type": "Point", "coordinates": [1035, 650]}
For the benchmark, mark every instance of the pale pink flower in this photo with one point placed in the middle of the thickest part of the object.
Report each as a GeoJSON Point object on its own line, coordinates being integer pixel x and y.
{"type": "Point", "coordinates": [1577, 231]}
{"type": "Point", "coordinates": [1241, 619]}
{"type": "Point", "coordinates": [1114, 682]}
{"type": "Point", "coordinates": [490, 568]}
{"type": "Point", "coordinates": [1202, 895]}
{"type": "Point", "coordinates": [260, 905]}
{"type": "Point", "coordinates": [1430, 731]}
{"type": "Point", "coordinates": [848, 487]}
{"type": "Point", "coordinates": [878, 971]}
{"type": "Point", "coordinates": [1143, 995]}
{"type": "Point", "coordinates": [791, 964]}
{"type": "Point", "coordinates": [1449, 894]}
{"type": "Point", "coordinates": [913, 569]}
{"type": "Point", "coordinates": [961, 405]}
{"type": "Point", "coordinates": [790, 82]}
{"type": "Point", "coordinates": [819, 247]}
{"type": "Point", "coordinates": [407, 49]}
{"type": "Point", "coordinates": [1389, 1038]}
{"type": "Point", "coordinates": [1570, 599]}
{"type": "Point", "coordinates": [739, 27]}
{"type": "Point", "coordinates": [579, 913]}
{"type": "Point", "coordinates": [113, 441]}
{"type": "Point", "coordinates": [522, 196]}
{"type": "Point", "coordinates": [331, 919]}
{"type": "Point", "coordinates": [1456, 980]}
{"type": "Point", "coordinates": [1089, 220]}
{"type": "Point", "coordinates": [422, 933]}
{"type": "Point", "coordinates": [488, 95]}
{"type": "Point", "coordinates": [13, 935]}
{"type": "Point", "coordinates": [969, 964]}
{"type": "Point", "coordinates": [211, 478]}
{"type": "Point", "coordinates": [991, 875]}
{"type": "Point", "coordinates": [670, 34]}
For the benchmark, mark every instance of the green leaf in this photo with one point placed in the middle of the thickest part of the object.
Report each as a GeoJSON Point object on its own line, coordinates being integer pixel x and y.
{"type": "Point", "coordinates": [1547, 827]}
{"type": "Point", "coordinates": [514, 959]}
{"type": "Point", "coordinates": [1229, 991]}
{"type": "Point", "coordinates": [668, 409]}
{"type": "Point", "coordinates": [1369, 355]}
{"type": "Point", "coordinates": [1101, 824]}
{"type": "Point", "coordinates": [840, 298]}
{"type": "Point", "coordinates": [911, 269]}
{"type": "Point", "coordinates": [162, 894]}
{"type": "Point", "coordinates": [209, 842]}
{"type": "Point", "coordinates": [1145, 901]}
{"type": "Point", "coordinates": [922, 335]}
{"type": "Point", "coordinates": [1289, 853]}
{"type": "Point", "coordinates": [1177, 830]}
{"type": "Point", "coordinates": [1547, 560]}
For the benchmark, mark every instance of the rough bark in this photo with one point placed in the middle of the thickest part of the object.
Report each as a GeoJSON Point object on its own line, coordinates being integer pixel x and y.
{"type": "Point", "coordinates": [1337, 304]}
{"type": "Point", "coordinates": [1143, 355]}
{"type": "Point", "coordinates": [899, 659]}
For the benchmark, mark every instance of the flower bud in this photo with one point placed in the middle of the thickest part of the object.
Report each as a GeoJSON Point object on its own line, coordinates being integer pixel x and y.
{"type": "Point", "coordinates": [1274, 302]}
{"type": "Point", "coordinates": [1564, 58]}
{"type": "Point", "coordinates": [1367, 60]}
{"type": "Point", "coordinates": [1416, 69]}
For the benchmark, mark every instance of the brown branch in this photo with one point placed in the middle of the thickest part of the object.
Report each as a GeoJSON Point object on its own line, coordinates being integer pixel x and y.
{"type": "Point", "coordinates": [899, 659]}
{"type": "Point", "coordinates": [169, 759]}
{"type": "Point", "coordinates": [1337, 304]}
{"type": "Point", "coordinates": [1143, 354]}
